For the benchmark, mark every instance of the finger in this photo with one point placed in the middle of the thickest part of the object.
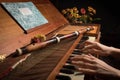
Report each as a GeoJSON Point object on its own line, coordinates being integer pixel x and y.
{"type": "Point", "coordinates": [81, 64]}
{"type": "Point", "coordinates": [85, 58]}
{"type": "Point", "coordinates": [89, 47]}
{"type": "Point", "coordinates": [88, 42]}
{"type": "Point", "coordinates": [92, 51]}
{"type": "Point", "coordinates": [87, 71]}
{"type": "Point", "coordinates": [95, 51]}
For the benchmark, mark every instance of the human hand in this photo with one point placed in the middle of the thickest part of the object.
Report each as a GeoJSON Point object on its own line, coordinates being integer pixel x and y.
{"type": "Point", "coordinates": [89, 64]}
{"type": "Point", "coordinates": [96, 48]}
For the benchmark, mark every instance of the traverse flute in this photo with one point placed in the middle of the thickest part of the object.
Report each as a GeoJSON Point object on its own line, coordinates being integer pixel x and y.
{"type": "Point", "coordinates": [36, 46]}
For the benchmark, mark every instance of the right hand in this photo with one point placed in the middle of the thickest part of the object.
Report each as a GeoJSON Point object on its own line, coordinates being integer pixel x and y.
{"type": "Point", "coordinates": [89, 64]}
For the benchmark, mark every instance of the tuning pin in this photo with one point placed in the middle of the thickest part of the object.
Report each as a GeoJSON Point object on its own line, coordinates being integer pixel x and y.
{"type": "Point", "coordinates": [63, 77]}
{"type": "Point", "coordinates": [67, 71]}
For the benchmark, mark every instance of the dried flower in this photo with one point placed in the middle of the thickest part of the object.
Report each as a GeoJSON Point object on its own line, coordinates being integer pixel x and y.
{"type": "Point", "coordinates": [73, 15]}
{"type": "Point", "coordinates": [38, 38]}
{"type": "Point", "coordinates": [83, 11]}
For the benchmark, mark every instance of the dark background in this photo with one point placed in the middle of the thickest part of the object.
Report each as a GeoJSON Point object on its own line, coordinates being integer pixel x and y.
{"type": "Point", "coordinates": [108, 11]}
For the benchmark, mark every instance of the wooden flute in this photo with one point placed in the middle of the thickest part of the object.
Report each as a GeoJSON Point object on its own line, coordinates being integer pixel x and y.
{"type": "Point", "coordinates": [36, 46]}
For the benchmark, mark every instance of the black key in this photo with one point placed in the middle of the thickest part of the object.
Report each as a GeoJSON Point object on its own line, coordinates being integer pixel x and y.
{"type": "Point", "coordinates": [63, 77]}
{"type": "Point", "coordinates": [66, 71]}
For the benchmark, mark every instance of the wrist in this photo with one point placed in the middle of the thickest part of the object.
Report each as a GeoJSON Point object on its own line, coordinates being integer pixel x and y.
{"type": "Point", "coordinates": [115, 52]}
{"type": "Point", "coordinates": [118, 73]}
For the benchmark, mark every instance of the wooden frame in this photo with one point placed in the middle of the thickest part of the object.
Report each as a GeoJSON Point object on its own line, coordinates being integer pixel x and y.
{"type": "Point", "coordinates": [72, 28]}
